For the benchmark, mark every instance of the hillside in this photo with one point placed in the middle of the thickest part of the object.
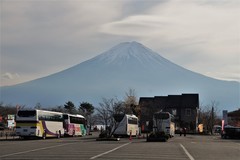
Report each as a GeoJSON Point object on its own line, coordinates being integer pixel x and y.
{"type": "Point", "coordinates": [112, 73]}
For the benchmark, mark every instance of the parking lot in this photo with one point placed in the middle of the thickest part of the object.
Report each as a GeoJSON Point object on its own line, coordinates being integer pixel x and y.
{"type": "Point", "coordinates": [193, 147]}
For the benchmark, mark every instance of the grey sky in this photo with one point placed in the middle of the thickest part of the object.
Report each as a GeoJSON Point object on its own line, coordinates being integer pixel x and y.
{"type": "Point", "coordinates": [41, 37]}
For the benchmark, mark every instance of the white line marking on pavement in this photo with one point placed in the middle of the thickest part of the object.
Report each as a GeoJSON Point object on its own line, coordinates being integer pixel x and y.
{"type": "Point", "coordinates": [110, 151]}
{"type": "Point", "coordinates": [187, 153]}
{"type": "Point", "coordinates": [33, 150]}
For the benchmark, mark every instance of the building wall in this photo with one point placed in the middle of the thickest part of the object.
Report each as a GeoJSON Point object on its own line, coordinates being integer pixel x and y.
{"type": "Point", "coordinates": [234, 118]}
{"type": "Point", "coordinates": [184, 107]}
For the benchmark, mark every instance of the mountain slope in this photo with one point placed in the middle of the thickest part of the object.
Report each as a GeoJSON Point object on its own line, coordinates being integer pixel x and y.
{"type": "Point", "coordinates": [112, 73]}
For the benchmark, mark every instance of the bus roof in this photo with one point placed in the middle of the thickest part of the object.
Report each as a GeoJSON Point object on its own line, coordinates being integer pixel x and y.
{"type": "Point", "coordinates": [75, 115]}
{"type": "Point", "coordinates": [39, 110]}
{"type": "Point", "coordinates": [131, 115]}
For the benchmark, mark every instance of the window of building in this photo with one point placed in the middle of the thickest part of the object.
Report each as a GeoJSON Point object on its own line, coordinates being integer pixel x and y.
{"type": "Point", "coordinates": [188, 112]}
{"type": "Point", "coordinates": [174, 112]}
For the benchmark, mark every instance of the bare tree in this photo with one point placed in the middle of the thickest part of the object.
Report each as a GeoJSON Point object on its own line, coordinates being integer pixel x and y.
{"type": "Point", "coordinates": [7, 109]}
{"type": "Point", "coordinates": [38, 106]}
{"type": "Point", "coordinates": [105, 113]}
{"type": "Point", "coordinates": [131, 103]}
{"type": "Point", "coordinates": [58, 109]}
{"type": "Point", "coordinates": [208, 116]}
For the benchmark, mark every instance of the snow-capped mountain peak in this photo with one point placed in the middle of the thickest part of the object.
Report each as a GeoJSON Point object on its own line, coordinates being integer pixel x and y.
{"type": "Point", "coordinates": [112, 73]}
{"type": "Point", "coordinates": [132, 52]}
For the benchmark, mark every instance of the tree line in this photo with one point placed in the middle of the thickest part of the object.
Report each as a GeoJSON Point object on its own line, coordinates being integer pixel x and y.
{"type": "Point", "coordinates": [104, 113]}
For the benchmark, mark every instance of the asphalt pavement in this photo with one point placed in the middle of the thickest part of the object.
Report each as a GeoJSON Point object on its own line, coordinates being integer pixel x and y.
{"type": "Point", "coordinates": [191, 147]}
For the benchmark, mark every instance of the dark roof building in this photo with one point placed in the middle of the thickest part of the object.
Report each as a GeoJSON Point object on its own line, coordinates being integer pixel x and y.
{"type": "Point", "coordinates": [184, 107]}
{"type": "Point", "coordinates": [234, 118]}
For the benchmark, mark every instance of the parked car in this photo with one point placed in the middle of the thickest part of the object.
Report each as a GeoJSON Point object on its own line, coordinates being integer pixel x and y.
{"type": "Point", "coordinates": [217, 128]}
{"type": "Point", "coordinates": [231, 132]}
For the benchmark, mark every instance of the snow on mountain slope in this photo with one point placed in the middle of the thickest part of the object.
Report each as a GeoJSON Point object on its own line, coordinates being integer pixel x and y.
{"type": "Point", "coordinates": [112, 73]}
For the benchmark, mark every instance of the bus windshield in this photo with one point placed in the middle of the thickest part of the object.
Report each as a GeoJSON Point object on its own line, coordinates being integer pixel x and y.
{"type": "Point", "coordinates": [26, 113]}
{"type": "Point", "coordinates": [132, 120]}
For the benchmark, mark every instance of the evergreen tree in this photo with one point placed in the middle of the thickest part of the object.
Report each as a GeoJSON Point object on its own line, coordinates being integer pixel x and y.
{"type": "Point", "coordinates": [87, 109]}
{"type": "Point", "coordinates": [70, 107]}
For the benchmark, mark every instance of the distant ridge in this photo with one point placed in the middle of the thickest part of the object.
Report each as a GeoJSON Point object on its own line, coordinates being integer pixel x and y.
{"type": "Point", "coordinates": [112, 73]}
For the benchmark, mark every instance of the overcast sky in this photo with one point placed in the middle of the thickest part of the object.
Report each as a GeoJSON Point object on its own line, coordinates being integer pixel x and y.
{"type": "Point", "coordinates": [41, 37]}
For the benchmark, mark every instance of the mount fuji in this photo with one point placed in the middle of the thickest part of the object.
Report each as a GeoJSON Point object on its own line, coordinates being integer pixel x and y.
{"type": "Point", "coordinates": [114, 72]}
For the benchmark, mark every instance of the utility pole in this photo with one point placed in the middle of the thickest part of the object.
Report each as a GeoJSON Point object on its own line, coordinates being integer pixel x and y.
{"type": "Point", "coordinates": [212, 120]}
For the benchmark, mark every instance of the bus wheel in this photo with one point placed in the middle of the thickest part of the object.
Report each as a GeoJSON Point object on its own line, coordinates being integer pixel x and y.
{"type": "Point", "coordinates": [44, 135]}
{"type": "Point", "coordinates": [25, 138]}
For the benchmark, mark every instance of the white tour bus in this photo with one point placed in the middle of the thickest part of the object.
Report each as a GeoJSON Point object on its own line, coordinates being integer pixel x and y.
{"type": "Point", "coordinates": [39, 123]}
{"type": "Point", "coordinates": [75, 125]}
{"type": "Point", "coordinates": [164, 122]}
{"type": "Point", "coordinates": [125, 125]}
